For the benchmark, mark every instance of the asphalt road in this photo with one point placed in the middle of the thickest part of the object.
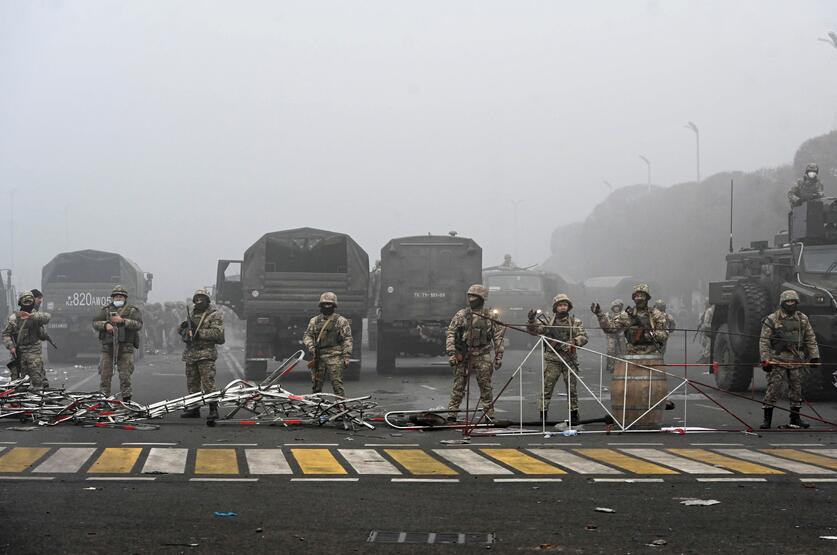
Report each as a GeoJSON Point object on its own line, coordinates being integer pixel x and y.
{"type": "Point", "coordinates": [70, 489]}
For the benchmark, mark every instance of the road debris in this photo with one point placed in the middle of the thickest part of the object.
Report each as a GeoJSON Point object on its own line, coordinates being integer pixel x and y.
{"type": "Point", "coordinates": [700, 502]}
{"type": "Point", "coordinates": [604, 510]}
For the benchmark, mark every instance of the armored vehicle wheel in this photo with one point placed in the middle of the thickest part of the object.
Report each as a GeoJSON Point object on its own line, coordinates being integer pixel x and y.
{"type": "Point", "coordinates": [747, 309]}
{"type": "Point", "coordinates": [385, 363]}
{"type": "Point", "coordinates": [730, 375]}
{"type": "Point", "coordinates": [255, 370]}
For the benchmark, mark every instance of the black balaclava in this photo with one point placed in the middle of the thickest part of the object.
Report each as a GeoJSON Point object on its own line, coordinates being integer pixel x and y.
{"type": "Point", "coordinates": [327, 309]}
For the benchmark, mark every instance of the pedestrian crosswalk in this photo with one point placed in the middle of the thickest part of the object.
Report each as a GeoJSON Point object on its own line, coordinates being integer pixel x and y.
{"type": "Point", "coordinates": [415, 464]}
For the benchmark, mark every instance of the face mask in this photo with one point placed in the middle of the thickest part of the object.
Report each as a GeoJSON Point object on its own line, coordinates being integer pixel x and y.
{"type": "Point", "coordinates": [201, 304]}
{"type": "Point", "coordinates": [789, 308]}
{"type": "Point", "coordinates": [27, 308]}
{"type": "Point", "coordinates": [812, 175]}
{"type": "Point", "coordinates": [476, 304]}
{"type": "Point", "coordinates": [327, 310]}
{"type": "Point", "coordinates": [118, 304]}
{"type": "Point", "coordinates": [641, 302]}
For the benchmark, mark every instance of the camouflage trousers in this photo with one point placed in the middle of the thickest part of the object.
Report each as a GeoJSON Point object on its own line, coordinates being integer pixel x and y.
{"type": "Point", "coordinates": [482, 367]}
{"type": "Point", "coordinates": [774, 385]}
{"type": "Point", "coordinates": [31, 363]}
{"type": "Point", "coordinates": [200, 376]}
{"type": "Point", "coordinates": [331, 366]}
{"type": "Point", "coordinates": [554, 369]}
{"type": "Point", "coordinates": [125, 367]}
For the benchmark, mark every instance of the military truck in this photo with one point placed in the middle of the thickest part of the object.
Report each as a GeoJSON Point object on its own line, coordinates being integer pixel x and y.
{"type": "Point", "coordinates": [277, 286]}
{"type": "Point", "coordinates": [75, 285]}
{"type": "Point", "coordinates": [8, 302]}
{"type": "Point", "coordinates": [513, 291]}
{"type": "Point", "coordinates": [803, 259]}
{"type": "Point", "coordinates": [423, 283]}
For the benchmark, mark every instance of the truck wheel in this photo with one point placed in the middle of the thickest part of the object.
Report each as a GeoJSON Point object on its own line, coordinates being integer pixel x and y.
{"type": "Point", "coordinates": [385, 361]}
{"type": "Point", "coordinates": [747, 309]}
{"type": "Point", "coordinates": [255, 370]}
{"type": "Point", "coordinates": [730, 375]}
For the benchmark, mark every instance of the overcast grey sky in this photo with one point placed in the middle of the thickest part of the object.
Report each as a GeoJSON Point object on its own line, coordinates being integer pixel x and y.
{"type": "Point", "coordinates": [178, 132]}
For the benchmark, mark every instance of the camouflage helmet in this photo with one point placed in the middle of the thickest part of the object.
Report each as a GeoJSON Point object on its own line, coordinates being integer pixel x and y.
{"type": "Point", "coordinates": [202, 291]}
{"type": "Point", "coordinates": [812, 168]}
{"type": "Point", "coordinates": [478, 290]}
{"type": "Point", "coordinates": [789, 295]}
{"type": "Point", "coordinates": [660, 305]}
{"type": "Point", "coordinates": [561, 298]}
{"type": "Point", "coordinates": [25, 297]}
{"type": "Point", "coordinates": [328, 298]}
{"type": "Point", "coordinates": [119, 290]}
{"type": "Point", "coordinates": [641, 288]}
{"type": "Point", "coordinates": [617, 302]}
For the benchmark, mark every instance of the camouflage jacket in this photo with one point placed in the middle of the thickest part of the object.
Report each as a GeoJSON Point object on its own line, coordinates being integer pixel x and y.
{"type": "Point", "coordinates": [568, 329]}
{"type": "Point", "coordinates": [208, 330]}
{"type": "Point", "coordinates": [329, 336]}
{"type": "Point", "coordinates": [646, 338]}
{"type": "Point", "coordinates": [804, 190]}
{"type": "Point", "coordinates": [670, 323]}
{"type": "Point", "coordinates": [787, 337]}
{"type": "Point", "coordinates": [127, 332]}
{"type": "Point", "coordinates": [472, 331]}
{"type": "Point", "coordinates": [26, 334]}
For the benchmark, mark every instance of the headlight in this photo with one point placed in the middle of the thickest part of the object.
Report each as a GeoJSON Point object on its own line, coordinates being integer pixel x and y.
{"type": "Point", "coordinates": [255, 293]}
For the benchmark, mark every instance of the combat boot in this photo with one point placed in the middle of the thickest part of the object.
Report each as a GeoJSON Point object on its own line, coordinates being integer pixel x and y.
{"type": "Point", "coordinates": [795, 420]}
{"type": "Point", "coordinates": [191, 413]}
{"type": "Point", "coordinates": [574, 418]}
{"type": "Point", "coordinates": [213, 412]}
{"type": "Point", "coordinates": [768, 418]}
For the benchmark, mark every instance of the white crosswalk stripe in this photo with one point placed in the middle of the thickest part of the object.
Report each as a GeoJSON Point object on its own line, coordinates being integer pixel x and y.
{"type": "Point", "coordinates": [667, 459]}
{"type": "Point", "coordinates": [471, 462]}
{"type": "Point", "coordinates": [368, 461]}
{"type": "Point", "coordinates": [165, 460]}
{"type": "Point", "coordinates": [267, 461]}
{"type": "Point", "coordinates": [66, 460]}
{"type": "Point", "coordinates": [574, 462]}
{"type": "Point", "coordinates": [826, 452]}
{"type": "Point", "coordinates": [776, 462]}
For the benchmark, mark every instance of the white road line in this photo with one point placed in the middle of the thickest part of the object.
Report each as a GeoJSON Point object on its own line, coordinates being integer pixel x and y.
{"type": "Point", "coordinates": [525, 480]}
{"type": "Point", "coordinates": [826, 452]}
{"type": "Point", "coordinates": [8, 442]}
{"type": "Point", "coordinates": [819, 480]}
{"type": "Point", "coordinates": [629, 480]}
{"type": "Point", "coordinates": [324, 479]}
{"type": "Point", "coordinates": [718, 444]}
{"type": "Point", "coordinates": [708, 407]}
{"type": "Point", "coordinates": [391, 445]}
{"type": "Point", "coordinates": [471, 462]}
{"type": "Point", "coordinates": [150, 443]}
{"type": "Point", "coordinates": [312, 444]}
{"type": "Point", "coordinates": [667, 459]}
{"type": "Point", "coordinates": [223, 479]}
{"type": "Point", "coordinates": [770, 460]}
{"type": "Point", "coordinates": [66, 460]}
{"type": "Point", "coordinates": [27, 477]}
{"type": "Point", "coordinates": [121, 478]}
{"type": "Point", "coordinates": [267, 461]}
{"type": "Point", "coordinates": [574, 462]}
{"type": "Point", "coordinates": [229, 444]}
{"type": "Point", "coordinates": [426, 480]}
{"type": "Point", "coordinates": [179, 375]}
{"type": "Point", "coordinates": [431, 388]}
{"type": "Point", "coordinates": [796, 444]}
{"type": "Point", "coordinates": [368, 461]}
{"type": "Point", "coordinates": [165, 460]}
{"type": "Point", "coordinates": [731, 479]}
{"type": "Point", "coordinates": [617, 444]}
{"type": "Point", "coordinates": [77, 386]}
{"type": "Point", "coordinates": [69, 443]}
{"type": "Point", "coordinates": [553, 446]}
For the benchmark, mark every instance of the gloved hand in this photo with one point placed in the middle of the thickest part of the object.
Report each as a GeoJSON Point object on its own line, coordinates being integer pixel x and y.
{"type": "Point", "coordinates": [532, 314]}
{"type": "Point", "coordinates": [498, 362]}
{"type": "Point", "coordinates": [630, 311]}
{"type": "Point", "coordinates": [814, 362]}
{"type": "Point", "coordinates": [595, 309]}
{"type": "Point", "coordinates": [454, 359]}
{"type": "Point", "coordinates": [766, 366]}
{"type": "Point", "coordinates": [346, 362]}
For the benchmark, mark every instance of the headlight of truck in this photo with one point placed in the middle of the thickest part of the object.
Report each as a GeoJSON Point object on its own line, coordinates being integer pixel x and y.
{"type": "Point", "coordinates": [255, 293]}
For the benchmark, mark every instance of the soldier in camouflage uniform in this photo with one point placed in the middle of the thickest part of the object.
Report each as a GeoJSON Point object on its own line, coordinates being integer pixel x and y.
{"type": "Point", "coordinates": [616, 345]}
{"type": "Point", "coordinates": [329, 340]}
{"type": "Point", "coordinates": [22, 336]}
{"type": "Point", "coordinates": [645, 328]}
{"type": "Point", "coordinates": [808, 188]}
{"type": "Point", "coordinates": [705, 330]}
{"type": "Point", "coordinates": [126, 321]}
{"type": "Point", "coordinates": [570, 333]}
{"type": "Point", "coordinates": [787, 339]}
{"type": "Point", "coordinates": [469, 340]}
{"type": "Point", "coordinates": [201, 334]}
{"type": "Point", "coordinates": [670, 323]}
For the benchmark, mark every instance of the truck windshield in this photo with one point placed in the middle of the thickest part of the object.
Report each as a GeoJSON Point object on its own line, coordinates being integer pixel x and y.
{"type": "Point", "coordinates": [819, 260]}
{"type": "Point", "coordinates": [512, 282]}
{"type": "Point", "coordinates": [306, 255]}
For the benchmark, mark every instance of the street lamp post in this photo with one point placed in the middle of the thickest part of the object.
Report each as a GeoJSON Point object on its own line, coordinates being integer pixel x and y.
{"type": "Point", "coordinates": [691, 125]}
{"type": "Point", "coordinates": [648, 163]}
{"type": "Point", "coordinates": [12, 228]}
{"type": "Point", "coordinates": [514, 204]}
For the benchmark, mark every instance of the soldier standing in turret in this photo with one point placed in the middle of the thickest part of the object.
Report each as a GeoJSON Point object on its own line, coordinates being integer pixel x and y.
{"type": "Point", "coordinates": [201, 335]}
{"type": "Point", "coordinates": [470, 338]}
{"type": "Point", "coordinates": [808, 188]}
{"type": "Point", "coordinates": [329, 340]}
{"type": "Point", "coordinates": [125, 321]}
{"type": "Point", "coordinates": [570, 333]}
{"type": "Point", "coordinates": [787, 339]}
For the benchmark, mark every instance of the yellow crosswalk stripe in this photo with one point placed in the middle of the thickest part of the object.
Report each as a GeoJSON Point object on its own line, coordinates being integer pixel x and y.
{"type": "Point", "coordinates": [21, 458]}
{"type": "Point", "coordinates": [116, 460]}
{"type": "Point", "coordinates": [216, 461]}
{"type": "Point", "coordinates": [522, 462]}
{"type": "Point", "coordinates": [723, 461]}
{"type": "Point", "coordinates": [804, 457]}
{"type": "Point", "coordinates": [317, 461]}
{"type": "Point", "coordinates": [419, 462]}
{"type": "Point", "coordinates": [614, 458]}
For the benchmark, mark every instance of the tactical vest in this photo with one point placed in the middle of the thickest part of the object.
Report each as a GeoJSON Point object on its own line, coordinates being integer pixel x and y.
{"type": "Point", "coordinates": [562, 329]}
{"type": "Point", "coordinates": [786, 335]}
{"type": "Point", "coordinates": [124, 335]}
{"type": "Point", "coordinates": [635, 333]}
{"type": "Point", "coordinates": [27, 332]}
{"type": "Point", "coordinates": [476, 332]}
{"type": "Point", "coordinates": [330, 336]}
{"type": "Point", "coordinates": [196, 321]}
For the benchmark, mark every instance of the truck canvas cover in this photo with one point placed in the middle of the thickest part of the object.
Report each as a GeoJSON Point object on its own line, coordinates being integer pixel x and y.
{"type": "Point", "coordinates": [92, 267]}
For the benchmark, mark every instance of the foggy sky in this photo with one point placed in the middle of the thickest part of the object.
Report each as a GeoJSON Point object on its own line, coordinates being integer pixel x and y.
{"type": "Point", "coordinates": [178, 132]}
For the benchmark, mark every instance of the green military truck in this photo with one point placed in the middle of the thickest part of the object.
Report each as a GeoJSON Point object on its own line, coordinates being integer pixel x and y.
{"type": "Point", "coordinates": [8, 302]}
{"type": "Point", "coordinates": [423, 283]}
{"type": "Point", "coordinates": [277, 286]}
{"type": "Point", "coordinates": [803, 259]}
{"type": "Point", "coordinates": [75, 285]}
